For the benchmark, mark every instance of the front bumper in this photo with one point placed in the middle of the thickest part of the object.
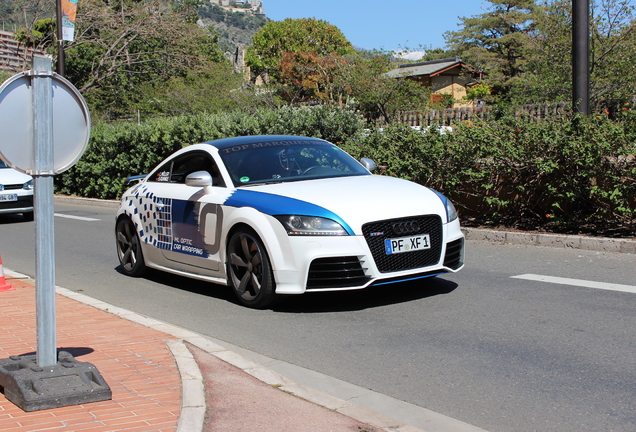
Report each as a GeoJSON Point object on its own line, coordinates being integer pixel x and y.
{"type": "Point", "coordinates": [347, 263]}
{"type": "Point", "coordinates": [24, 204]}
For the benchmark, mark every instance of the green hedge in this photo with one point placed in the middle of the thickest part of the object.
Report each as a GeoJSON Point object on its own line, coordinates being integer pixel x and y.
{"type": "Point", "coordinates": [514, 172]}
{"type": "Point", "coordinates": [121, 150]}
{"type": "Point", "coordinates": [558, 173]}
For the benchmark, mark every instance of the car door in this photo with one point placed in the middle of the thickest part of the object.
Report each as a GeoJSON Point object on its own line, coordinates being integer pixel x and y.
{"type": "Point", "coordinates": [188, 220]}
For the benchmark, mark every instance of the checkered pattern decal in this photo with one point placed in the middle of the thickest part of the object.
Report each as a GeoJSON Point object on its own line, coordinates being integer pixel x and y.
{"type": "Point", "coordinates": [155, 215]}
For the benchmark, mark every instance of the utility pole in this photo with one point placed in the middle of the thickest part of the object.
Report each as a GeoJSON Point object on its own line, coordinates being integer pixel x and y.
{"type": "Point", "coordinates": [581, 56]}
{"type": "Point", "coordinates": [60, 39]}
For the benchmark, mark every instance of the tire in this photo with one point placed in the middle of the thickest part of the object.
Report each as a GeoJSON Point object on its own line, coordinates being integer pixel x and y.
{"type": "Point", "coordinates": [129, 251]}
{"type": "Point", "coordinates": [249, 271]}
{"type": "Point", "coordinates": [28, 216]}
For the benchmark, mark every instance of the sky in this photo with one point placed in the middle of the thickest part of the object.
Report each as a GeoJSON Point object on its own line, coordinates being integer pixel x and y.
{"type": "Point", "coordinates": [387, 25]}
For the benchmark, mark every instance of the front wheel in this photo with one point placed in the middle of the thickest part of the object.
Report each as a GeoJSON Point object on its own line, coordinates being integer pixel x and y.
{"type": "Point", "coordinates": [129, 248]}
{"type": "Point", "coordinates": [249, 271]}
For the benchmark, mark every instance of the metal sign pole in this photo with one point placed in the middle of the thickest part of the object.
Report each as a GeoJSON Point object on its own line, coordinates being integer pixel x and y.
{"type": "Point", "coordinates": [43, 207]}
{"type": "Point", "coordinates": [45, 127]}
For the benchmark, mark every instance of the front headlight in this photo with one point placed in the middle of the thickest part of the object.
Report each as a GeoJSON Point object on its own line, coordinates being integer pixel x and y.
{"type": "Point", "coordinates": [310, 226]}
{"type": "Point", "coordinates": [451, 212]}
{"type": "Point", "coordinates": [28, 185]}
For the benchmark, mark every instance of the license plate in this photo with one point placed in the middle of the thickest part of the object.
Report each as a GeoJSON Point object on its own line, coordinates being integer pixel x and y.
{"type": "Point", "coordinates": [8, 197]}
{"type": "Point", "coordinates": [407, 244]}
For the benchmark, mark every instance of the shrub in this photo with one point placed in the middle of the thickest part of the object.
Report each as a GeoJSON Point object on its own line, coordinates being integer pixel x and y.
{"type": "Point", "coordinates": [513, 172]}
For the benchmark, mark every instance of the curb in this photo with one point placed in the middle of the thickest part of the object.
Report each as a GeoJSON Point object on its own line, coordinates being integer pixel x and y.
{"type": "Point", "coordinates": [193, 404]}
{"type": "Point", "coordinates": [600, 244]}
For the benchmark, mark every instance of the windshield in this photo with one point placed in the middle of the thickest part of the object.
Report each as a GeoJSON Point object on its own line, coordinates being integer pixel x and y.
{"type": "Point", "coordinates": [3, 165]}
{"type": "Point", "coordinates": [283, 161]}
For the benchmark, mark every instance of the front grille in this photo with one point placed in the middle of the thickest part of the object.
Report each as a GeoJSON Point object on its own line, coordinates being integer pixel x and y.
{"type": "Point", "coordinates": [453, 258]}
{"type": "Point", "coordinates": [20, 203]}
{"type": "Point", "coordinates": [375, 233]}
{"type": "Point", "coordinates": [13, 186]}
{"type": "Point", "coordinates": [338, 272]}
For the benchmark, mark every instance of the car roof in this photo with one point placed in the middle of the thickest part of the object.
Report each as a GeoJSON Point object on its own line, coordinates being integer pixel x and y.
{"type": "Point", "coordinates": [231, 142]}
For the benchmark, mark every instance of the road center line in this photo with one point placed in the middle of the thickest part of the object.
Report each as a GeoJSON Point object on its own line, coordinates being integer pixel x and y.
{"type": "Point", "coordinates": [578, 282]}
{"type": "Point", "coordinates": [75, 217]}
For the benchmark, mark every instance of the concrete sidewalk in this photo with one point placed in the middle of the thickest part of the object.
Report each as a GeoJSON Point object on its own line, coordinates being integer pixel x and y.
{"type": "Point", "coordinates": [164, 378]}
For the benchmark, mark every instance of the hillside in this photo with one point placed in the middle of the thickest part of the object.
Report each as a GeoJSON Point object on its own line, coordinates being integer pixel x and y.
{"type": "Point", "coordinates": [15, 14]}
{"type": "Point", "coordinates": [235, 29]}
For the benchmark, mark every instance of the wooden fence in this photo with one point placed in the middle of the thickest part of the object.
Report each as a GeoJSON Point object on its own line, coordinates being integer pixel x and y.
{"type": "Point", "coordinates": [533, 112]}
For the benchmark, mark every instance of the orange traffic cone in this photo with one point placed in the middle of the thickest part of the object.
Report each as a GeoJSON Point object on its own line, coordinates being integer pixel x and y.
{"type": "Point", "coordinates": [4, 286]}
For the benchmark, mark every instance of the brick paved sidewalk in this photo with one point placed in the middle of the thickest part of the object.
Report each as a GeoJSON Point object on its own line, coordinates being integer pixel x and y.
{"type": "Point", "coordinates": [154, 372]}
{"type": "Point", "coordinates": [133, 359]}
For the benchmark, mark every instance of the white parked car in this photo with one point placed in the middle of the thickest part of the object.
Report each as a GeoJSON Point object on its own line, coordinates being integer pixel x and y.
{"type": "Point", "coordinates": [274, 215]}
{"type": "Point", "coordinates": [16, 192]}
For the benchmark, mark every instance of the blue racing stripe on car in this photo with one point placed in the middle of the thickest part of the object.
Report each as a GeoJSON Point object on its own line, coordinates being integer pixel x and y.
{"type": "Point", "coordinates": [275, 205]}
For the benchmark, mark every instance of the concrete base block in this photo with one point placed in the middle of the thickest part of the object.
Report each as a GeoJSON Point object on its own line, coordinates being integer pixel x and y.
{"type": "Point", "coordinates": [34, 388]}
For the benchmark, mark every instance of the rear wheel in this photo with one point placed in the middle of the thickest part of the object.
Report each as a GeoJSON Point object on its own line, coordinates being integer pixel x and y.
{"type": "Point", "coordinates": [129, 248]}
{"type": "Point", "coordinates": [249, 271]}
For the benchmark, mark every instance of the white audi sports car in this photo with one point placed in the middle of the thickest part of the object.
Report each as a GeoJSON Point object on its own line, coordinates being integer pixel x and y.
{"type": "Point", "coordinates": [278, 215]}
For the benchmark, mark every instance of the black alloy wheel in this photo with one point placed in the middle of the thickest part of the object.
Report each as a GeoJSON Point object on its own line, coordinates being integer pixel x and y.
{"type": "Point", "coordinates": [129, 248]}
{"type": "Point", "coordinates": [249, 271]}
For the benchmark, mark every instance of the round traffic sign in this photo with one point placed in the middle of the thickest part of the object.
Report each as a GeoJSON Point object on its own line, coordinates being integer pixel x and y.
{"type": "Point", "coordinates": [71, 123]}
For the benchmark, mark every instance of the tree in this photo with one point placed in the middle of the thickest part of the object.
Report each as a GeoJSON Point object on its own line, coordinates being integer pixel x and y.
{"type": "Point", "coordinates": [122, 44]}
{"type": "Point", "coordinates": [494, 41]}
{"type": "Point", "coordinates": [477, 92]}
{"type": "Point", "coordinates": [307, 35]}
{"type": "Point", "coordinates": [526, 50]}
{"type": "Point", "coordinates": [355, 81]}
{"type": "Point", "coordinates": [209, 92]}
{"type": "Point", "coordinates": [613, 53]}
{"type": "Point", "coordinates": [38, 36]}
{"type": "Point", "coordinates": [374, 93]}
{"type": "Point", "coordinates": [36, 31]}
{"type": "Point", "coordinates": [436, 54]}
{"type": "Point", "coordinates": [310, 77]}
{"type": "Point", "coordinates": [548, 66]}
{"type": "Point", "coordinates": [4, 75]}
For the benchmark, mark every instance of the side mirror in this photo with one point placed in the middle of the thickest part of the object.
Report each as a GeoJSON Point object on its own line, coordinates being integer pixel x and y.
{"type": "Point", "coordinates": [200, 179]}
{"type": "Point", "coordinates": [369, 164]}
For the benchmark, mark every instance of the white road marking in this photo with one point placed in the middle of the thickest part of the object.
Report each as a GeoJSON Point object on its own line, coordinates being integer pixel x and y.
{"type": "Point", "coordinates": [578, 282]}
{"type": "Point", "coordinates": [76, 217]}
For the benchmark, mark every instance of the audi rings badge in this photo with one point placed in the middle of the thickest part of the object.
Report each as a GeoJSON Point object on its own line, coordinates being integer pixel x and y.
{"type": "Point", "coordinates": [406, 227]}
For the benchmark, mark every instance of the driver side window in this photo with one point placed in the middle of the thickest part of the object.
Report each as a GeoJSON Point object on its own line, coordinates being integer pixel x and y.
{"type": "Point", "coordinates": [178, 169]}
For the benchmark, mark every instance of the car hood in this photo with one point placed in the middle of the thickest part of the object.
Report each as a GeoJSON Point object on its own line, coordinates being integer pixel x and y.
{"type": "Point", "coordinates": [11, 176]}
{"type": "Point", "coordinates": [352, 200]}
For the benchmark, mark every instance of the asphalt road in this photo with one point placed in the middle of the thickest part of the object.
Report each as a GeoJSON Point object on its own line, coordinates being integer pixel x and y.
{"type": "Point", "coordinates": [481, 346]}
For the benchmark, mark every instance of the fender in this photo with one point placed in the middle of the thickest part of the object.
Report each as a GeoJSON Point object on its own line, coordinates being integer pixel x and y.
{"type": "Point", "coordinates": [268, 228]}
